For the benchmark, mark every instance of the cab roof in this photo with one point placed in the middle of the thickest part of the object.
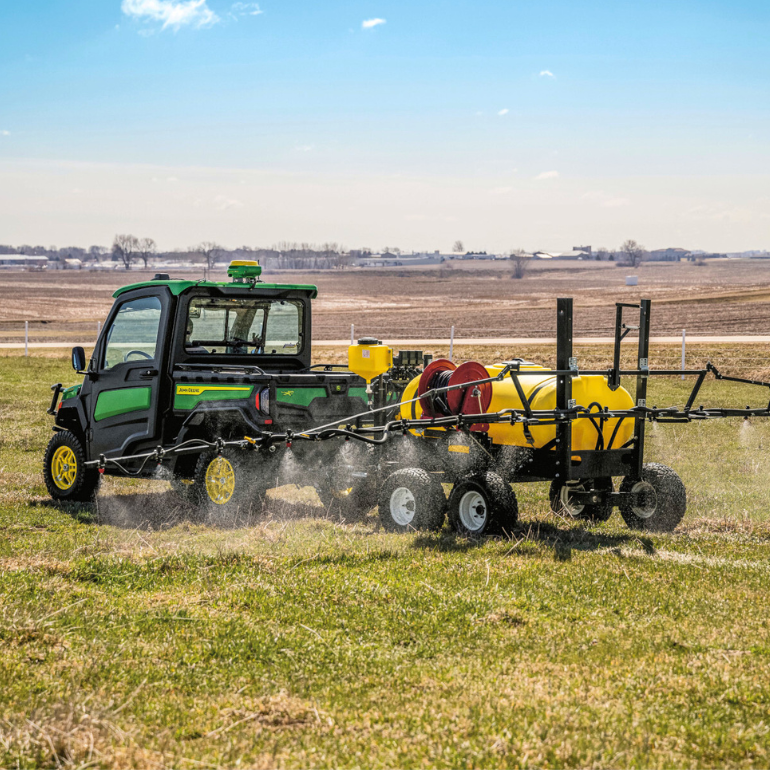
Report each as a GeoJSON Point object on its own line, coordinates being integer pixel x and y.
{"type": "Point", "coordinates": [177, 287]}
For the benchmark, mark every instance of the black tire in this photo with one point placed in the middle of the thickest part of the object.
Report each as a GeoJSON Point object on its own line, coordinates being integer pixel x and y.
{"type": "Point", "coordinates": [664, 500]}
{"type": "Point", "coordinates": [185, 488]}
{"type": "Point", "coordinates": [558, 496]}
{"type": "Point", "coordinates": [344, 492]}
{"type": "Point", "coordinates": [228, 487]}
{"type": "Point", "coordinates": [349, 503]}
{"type": "Point", "coordinates": [412, 499]}
{"type": "Point", "coordinates": [482, 504]}
{"type": "Point", "coordinates": [64, 482]}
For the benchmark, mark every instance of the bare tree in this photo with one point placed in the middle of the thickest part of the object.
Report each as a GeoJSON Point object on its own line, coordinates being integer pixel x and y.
{"type": "Point", "coordinates": [146, 248]}
{"type": "Point", "coordinates": [633, 252]}
{"type": "Point", "coordinates": [125, 248]}
{"type": "Point", "coordinates": [602, 254]}
{"type": "Point", "coordinates": [458, 247]}
{"type": "Point", "coordinates": [210, 251]}
{"type": "Point", "coordinates": [521, 263]}
{"type": "Point", "coordinates": [97, 252]}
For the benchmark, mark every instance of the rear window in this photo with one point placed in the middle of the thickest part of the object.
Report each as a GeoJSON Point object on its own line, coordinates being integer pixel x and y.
{"type": "Point", "coordinates": [224, 326]}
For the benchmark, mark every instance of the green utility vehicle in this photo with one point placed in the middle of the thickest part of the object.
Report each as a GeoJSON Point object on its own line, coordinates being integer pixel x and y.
{"type": "Point", "coordinates": [179, 363]}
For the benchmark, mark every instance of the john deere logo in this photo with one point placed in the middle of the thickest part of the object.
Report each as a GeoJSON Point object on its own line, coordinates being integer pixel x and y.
{"type": "Point", "coordinates": [287, 392]}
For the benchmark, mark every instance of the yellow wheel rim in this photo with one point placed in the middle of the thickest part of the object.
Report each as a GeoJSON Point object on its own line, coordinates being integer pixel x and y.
{"type": "Point", "coordinates": [220, 480]}
{"type": "Point", "coordinates": [64, 468]}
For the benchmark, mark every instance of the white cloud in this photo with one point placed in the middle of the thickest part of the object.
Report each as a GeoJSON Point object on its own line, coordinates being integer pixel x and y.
{"type": "Point", "coordinates": [172, 13]}
{"type": "Point", "coordinates": [547, 175]}
{"type": "Point", "coordinates": [504, 111]}
{"type": "Point", "coordinates": [547, 74]}
{"type": "Point", "coordinates": [222, 203]}
{"type": "Point", "coordinates": [304, 147]}
{"type": "Point", "coordinates": [245, 9]}
{"type": "Point", "coordinates": [5, 133]}
{"type": "Point", "coordinates": [369, 23]}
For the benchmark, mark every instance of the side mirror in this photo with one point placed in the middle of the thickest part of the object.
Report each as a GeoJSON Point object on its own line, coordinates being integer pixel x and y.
{"type": "Point", "coordinates": [78, 359]}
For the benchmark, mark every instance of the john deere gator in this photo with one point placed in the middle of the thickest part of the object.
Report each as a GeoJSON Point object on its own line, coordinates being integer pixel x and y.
{"type": "Point", "coordinates": [179, 362]}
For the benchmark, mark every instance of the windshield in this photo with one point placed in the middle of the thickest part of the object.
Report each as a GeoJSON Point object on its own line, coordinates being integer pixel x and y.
{"type": "Point", "coordinates": [243, 327]}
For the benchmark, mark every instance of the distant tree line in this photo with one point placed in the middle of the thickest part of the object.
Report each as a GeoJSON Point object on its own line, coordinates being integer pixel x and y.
{"type": "Point", "coordinates": [128, 250]}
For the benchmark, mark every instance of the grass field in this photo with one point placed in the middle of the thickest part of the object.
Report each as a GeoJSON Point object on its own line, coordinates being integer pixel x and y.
{"type": "Point", "coordinates": [131, 637]}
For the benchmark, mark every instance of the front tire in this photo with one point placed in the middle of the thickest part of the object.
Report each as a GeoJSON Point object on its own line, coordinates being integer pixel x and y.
{"type": "Point", "coordinates": [660, 502]}
{"type": "Point", "coordinates": [482, 504]}
{"type": "Point", "coordinates": [66, 477]}
{"type": "Point", "coordinates": [411, 499]}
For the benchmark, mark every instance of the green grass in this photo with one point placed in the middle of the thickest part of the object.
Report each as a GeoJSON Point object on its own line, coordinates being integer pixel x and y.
{"type": "Point", "coordinates": [304, 642]}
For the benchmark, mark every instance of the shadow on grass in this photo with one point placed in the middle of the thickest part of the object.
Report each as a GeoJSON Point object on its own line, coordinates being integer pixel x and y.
{"type": "Point", "coordinates": [562, 540]}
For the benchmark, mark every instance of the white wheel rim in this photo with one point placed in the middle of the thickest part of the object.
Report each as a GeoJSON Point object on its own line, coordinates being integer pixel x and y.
{"type": "Point", "coordinates": [473, 511]}
{"type": "Point", "coordinates": [650, 500]}
{"type": "Point", "coordinates": [569, 506]}
{"type": "Point", "coordinates": [402, 506]}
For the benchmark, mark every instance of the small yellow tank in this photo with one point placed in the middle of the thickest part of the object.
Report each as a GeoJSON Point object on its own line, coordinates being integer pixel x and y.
{"type": "Point", "coordinates": [369, 358]}
{"type": "Point", "coordinates": [590, 391]}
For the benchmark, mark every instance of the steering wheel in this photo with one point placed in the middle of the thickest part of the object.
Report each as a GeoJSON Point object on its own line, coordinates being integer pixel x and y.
{"type": "Point", "coordinates": [138, 353]}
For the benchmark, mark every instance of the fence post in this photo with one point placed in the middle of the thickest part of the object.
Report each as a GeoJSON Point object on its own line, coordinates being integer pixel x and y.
{"type": "Point", "coordinates": [684, 337]}
{"type": "Point", "coordinates": [451, 343]}
{"type": "Point", "coordinates": [352, 334]}
{"type": "Point", "coordinates": [98, 329]}
{"type": "Point", "coordinates": [26, 338]}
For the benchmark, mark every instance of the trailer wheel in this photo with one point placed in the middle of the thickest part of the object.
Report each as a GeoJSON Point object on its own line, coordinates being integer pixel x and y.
{"type": "Point", "coordinates": [482, 504]}
{"type": "Point", "coordinates": [66, 477]}
{"type": "Point", "coordinates": [661, 499]}
{"type": "Point", "coordinates": [562, 504]}
{"type": "Point", "coordinates": [228, 485]}
{"type": "Point", "coordinates": [411, 499]}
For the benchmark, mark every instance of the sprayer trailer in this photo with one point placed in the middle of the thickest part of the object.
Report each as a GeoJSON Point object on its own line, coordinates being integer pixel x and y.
{"type": "Point", "coordinates": [211, 385]}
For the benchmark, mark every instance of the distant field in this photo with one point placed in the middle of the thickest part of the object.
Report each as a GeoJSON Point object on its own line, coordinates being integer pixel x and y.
{"type": "Point", "coordinates": [479, 298]}
{"type": "Point", "coordinates": [131, 637]}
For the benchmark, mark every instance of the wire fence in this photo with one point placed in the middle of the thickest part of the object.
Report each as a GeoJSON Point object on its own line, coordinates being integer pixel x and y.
{"type": "Point", "coordinates": [748, 359]}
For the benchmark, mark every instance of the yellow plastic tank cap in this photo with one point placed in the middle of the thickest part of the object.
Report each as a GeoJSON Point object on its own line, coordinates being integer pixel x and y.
{"type": "Point", "coordinates": [370, 358]}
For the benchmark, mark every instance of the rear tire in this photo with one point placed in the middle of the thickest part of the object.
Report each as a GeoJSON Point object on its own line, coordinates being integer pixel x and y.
{"type": "Point", "coordinates": [66, 477]}
{"type": "Point", "coordinates": [228, 488]}
{"type": "Point", "coordinates": [343, 493]}
{"type": "Point", "coordinates": [561, 505]}
{"type": "Point", "coordinates": [411, 499]}
{"type": "Point", "coordinates": [663, 500]}
{"type": "Point", "coordinates": [483, 504]}
{"type": "Point", "coordinates": [184, 488]}
{"type": "Point", "coordinates": [348, 503]}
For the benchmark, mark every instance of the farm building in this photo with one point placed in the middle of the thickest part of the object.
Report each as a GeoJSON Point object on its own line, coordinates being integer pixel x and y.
{"type": "Point", "coordinates": [21, 261]}
{"type": "Point", "coordinates": [668, 255]}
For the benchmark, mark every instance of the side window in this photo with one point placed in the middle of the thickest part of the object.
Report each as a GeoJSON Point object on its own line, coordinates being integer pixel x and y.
{"type": "Point", "coordinates": [133, 334]}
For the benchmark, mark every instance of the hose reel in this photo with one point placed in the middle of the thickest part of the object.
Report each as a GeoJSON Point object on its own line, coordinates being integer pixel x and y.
{"type": "Point", "coordinates": [441, 373]}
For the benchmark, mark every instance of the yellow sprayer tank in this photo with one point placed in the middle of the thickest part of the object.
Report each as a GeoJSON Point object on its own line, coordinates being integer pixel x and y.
{"type": "Point", "coordinates": [590, 391]}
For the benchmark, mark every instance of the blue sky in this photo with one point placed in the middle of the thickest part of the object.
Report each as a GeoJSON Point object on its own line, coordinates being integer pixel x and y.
{"type": "Point", "coordinates": [505, 124]}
